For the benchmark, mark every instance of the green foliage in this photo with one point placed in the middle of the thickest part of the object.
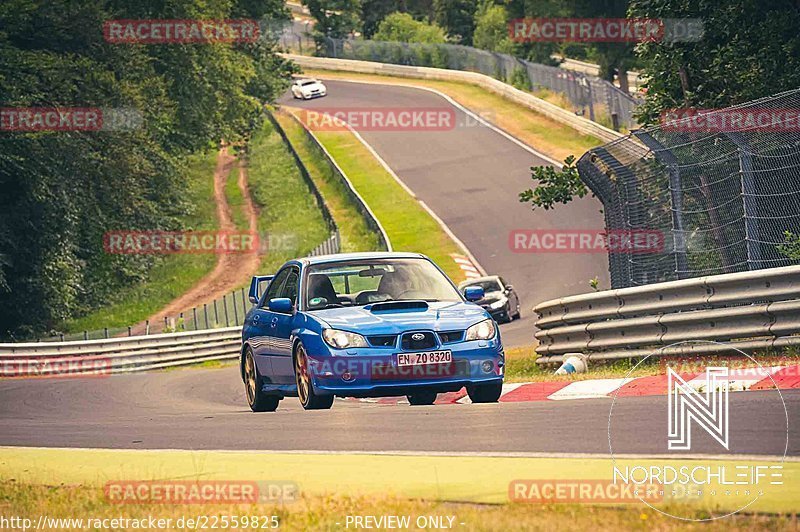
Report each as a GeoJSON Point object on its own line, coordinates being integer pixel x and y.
{"type": "Point", "coordinates": [749, 49]}
{"type": "Point", "coordinates": [520, 79]}
{"type": "Point", "coordinates": [457, 17]}
{"type": "Point", "coordinates": [791, 245]}
{"type": "Point", "coordinates": [63, 190]}
{"type": "Point", "coordinates": [334, 18]}
{"type": "Point", "coordinates": [491, 28]}
{"type": "Point", "coordinates": [401, 27]}
{"type": "Point", "coordinates": [554, 186]}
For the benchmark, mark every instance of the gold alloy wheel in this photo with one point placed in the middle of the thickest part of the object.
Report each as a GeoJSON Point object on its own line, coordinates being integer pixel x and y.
{"type": "Point", "coordinates": [301, 371]}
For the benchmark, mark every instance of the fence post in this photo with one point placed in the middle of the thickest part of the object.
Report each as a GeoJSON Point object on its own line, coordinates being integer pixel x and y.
{"type": "Point", "coordinates": [105, 332]}
{"type": "Point", "coordinates": [61, 336]}
{"type": "Point", "coordinates": [183, 322]}
{"type": "Point", "coordinates": [235, 310]}
{"type": "Point", "coordinates": [205, 314]}
{"type": "Point", "coordinates": [664, 155]}
{"type": "Point", "coordinates": [85, 335]}
{"type": "Point", "coordinates": [129, 330]}
{"type": "Point", "coordinates": [244, 305]}
{"type": "Point", "coordinates": [749, 202]}
{"type": "Point", "coordinates": [166, 323]}
{"type": "Point", "coordinates": [146, 327]}
{"type": "Point", "coordinates": [225, 306]}
{"type": "Point", "coordinates": [194, 317]}
{"type": "Point", "coordinates": [216, 314]}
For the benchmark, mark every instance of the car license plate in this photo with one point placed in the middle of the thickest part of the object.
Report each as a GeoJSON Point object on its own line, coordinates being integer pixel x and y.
{"type": "Point", "coordinates": [425, 357]}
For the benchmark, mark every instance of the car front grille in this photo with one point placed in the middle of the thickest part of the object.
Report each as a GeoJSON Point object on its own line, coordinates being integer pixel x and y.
{"type": "Point", "coordinates": [427, 341]}
{"type": "Point", "coordinates": [383, 340]}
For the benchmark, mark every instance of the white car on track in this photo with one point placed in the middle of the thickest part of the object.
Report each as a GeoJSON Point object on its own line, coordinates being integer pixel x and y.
{"type": "Point", "coordinates": [305, 89]}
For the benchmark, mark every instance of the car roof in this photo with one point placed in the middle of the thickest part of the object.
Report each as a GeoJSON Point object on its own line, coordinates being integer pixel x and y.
{"type": "Point", "coordinates": [341, 257]}
{"type": "Point", "coordinates": [479, 279]}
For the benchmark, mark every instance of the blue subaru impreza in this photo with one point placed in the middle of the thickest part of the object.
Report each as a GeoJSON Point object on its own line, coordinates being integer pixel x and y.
{"type": "Point", "coordinates": [366, 325]}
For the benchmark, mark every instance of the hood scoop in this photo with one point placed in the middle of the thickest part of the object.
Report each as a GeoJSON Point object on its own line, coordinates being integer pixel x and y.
{"type": "Point", "coordinates": [397, 306]}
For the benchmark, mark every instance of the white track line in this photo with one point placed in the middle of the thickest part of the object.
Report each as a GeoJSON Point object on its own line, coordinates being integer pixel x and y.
{"type": "Point", "coordinates": [465, 110]}
{"type": "Point", "coordinates": [441, 223]}
{"type": "Point", "coordinates": [484, 454]}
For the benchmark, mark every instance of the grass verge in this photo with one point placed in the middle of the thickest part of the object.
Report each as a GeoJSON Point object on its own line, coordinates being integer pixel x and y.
{"type": "Point", "coordinates": [69, 483]}
{"type": "Point", "coordinates": [545, 135]}
{"type": "Point", "coordinates": [354, 232]}
{"type": "Point", "coordinates": [405, 221]}
{"type": "Point", "coordinates": [521, 365]}
{"type": "Point", "coordinates": [289, 216]}
{"type": "Point", "coordinates": [172, 275]}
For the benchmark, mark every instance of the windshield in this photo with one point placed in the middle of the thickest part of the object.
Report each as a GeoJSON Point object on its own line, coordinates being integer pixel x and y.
{"type": "Point", "coordinates": [306, 83]}
{"type": "Point", "coordinates": [490, 285]}
{"type": "Point", "coordinates": [355, 283]}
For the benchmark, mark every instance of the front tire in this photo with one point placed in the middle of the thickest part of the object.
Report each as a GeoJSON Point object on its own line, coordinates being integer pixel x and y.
{"type": "Point", "coordinates": [485, 393]}
{"type": "Point", "coordinates": [421, 398]}
{"type": "Point", "coordinates": [305, 386]}
{"type": "Point", "coordinates": [257, 399]}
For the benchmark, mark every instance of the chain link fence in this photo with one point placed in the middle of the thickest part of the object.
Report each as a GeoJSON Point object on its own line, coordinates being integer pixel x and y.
{"type": "Point", "coordinates": [584, 94]}
{"type": "Point", "coordinates": [721, 186]}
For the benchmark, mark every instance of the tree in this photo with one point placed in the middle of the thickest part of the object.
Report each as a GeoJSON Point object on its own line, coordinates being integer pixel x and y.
{"type": "Point", "coordinates": [457, 17]}
{"type": "Point", "coordinates": [373, 12]}
{"type": "Point", "coordinates": [749, 49]}
{"type": "Point", "coordinates": [554, 186]}
{"type": "Point", "coordinates": [401, 27]}
{"type": "Point", "coordinates": [334, 18]}
{"type": "Point", "coordinates": [491, 28]}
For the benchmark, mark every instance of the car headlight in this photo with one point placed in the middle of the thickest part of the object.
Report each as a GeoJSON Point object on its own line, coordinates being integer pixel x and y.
{"type": "Point", "coordinates": [483, 330]}
{"type": "Point", "coordinates": [500, 303]}
{"type": "Point", "coordinates": [343, 339]}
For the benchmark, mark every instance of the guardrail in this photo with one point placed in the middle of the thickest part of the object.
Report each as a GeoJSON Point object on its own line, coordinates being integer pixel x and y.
{"type": "Point", "coordinates": [118, 355]}
{"type": "Point", "coordinates": [355, 197]}
{"type": "Point", "coordinates": [749, 310]}
{"type": "Point", "coordinates": [498, 87]}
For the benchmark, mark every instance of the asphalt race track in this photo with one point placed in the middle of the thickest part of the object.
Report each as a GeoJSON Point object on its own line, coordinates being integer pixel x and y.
{"type": "Point", "coordinates": [206, 409]}
{"type": "Point", "coordinates": [470, 176]}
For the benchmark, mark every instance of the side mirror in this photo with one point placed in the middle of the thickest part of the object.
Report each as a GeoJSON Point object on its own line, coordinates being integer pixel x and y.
{"type": "Point", "coordinates": [258, 284]}
{"type": "Point", "coordinates": [509, 287]}
{"type": "Point", "coordinates": [473, 293]}
{"type": "Point", "coordinates": [280, 304]}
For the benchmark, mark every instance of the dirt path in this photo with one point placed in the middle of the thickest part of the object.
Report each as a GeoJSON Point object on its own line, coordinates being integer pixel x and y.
{"type": "Point", "coordinates": [232, 269]}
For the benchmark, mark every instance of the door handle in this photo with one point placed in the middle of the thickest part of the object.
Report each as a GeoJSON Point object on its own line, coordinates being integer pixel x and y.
{"type": "Point", "coordinates": [256, 317]}
{"type": "Point", "coordinates": [274, 322]}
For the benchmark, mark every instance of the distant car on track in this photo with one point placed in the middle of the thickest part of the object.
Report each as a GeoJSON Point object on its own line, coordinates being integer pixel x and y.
{"type": "Point", "coordinates": [366, 325]}
{"type": "Point", "coordinates": [500, 299]}
{"type": "Point", "coordinates": [305, 89]}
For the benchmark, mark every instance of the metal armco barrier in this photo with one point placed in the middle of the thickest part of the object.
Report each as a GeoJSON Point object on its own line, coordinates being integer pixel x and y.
{"type": "Point", "coordinates": [119, 355]}
{"type": "Point", "coordinates": [749, 310]}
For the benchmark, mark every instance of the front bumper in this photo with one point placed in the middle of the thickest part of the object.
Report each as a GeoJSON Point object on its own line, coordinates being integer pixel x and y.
{"type": "Point", "coordinates": [373, 372]}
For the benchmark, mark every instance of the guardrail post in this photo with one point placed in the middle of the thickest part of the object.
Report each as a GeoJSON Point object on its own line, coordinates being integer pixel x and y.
{"type": "Point", "coordinates": [235, 310]}
{"type": "Point", "coordinates": [147, 327]}
{"type": "Point", "coordinates": [225, 306]}
{"type": "Point", "coordinates": [85, 335]}
{"type": "Point", "coordinates": [105, 332]}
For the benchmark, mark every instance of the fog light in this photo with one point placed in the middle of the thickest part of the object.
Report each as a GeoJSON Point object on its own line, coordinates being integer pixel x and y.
{"type": "Point", "coordinates": [487, 366]}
